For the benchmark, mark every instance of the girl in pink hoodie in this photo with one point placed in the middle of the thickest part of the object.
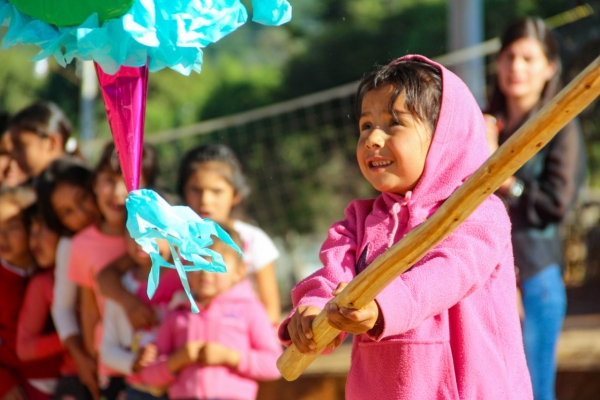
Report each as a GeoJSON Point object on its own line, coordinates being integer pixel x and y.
{"type": "Point", "coordinates": [448, 328]}
{"type": "Point", "coordinates": [220, 352]}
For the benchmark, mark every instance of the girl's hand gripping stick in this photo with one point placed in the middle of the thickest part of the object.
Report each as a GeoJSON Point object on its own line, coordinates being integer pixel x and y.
{"type": "Point", "coordinates": [522, 145]}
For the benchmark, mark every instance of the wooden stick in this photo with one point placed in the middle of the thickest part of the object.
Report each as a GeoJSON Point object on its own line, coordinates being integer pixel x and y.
{"type": "Point", "coordinates": [522, 145]}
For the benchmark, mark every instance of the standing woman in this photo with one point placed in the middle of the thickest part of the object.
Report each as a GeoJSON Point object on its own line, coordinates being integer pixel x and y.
{"type": "Point", "coordinates": [540, 193]}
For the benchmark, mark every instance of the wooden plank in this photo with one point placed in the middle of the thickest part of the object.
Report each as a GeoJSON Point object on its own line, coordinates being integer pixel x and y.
{"type": "Point", "coordinates": [523, 144]}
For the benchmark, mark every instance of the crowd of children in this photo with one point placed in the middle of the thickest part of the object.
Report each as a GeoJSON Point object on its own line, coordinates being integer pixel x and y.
{"type": "Point", "coordinates": [75, 318]}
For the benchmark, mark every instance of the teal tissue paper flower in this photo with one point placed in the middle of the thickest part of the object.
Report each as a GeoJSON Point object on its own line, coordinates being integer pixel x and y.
{"type": "Point", "coordinates": [167, 33]}
{"type": "Point", "coordinates": [150, 217]}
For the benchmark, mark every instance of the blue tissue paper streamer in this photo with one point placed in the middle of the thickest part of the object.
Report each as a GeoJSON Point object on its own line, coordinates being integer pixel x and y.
{"type": "Point", "coordinates": [150, 217]}
{"type": "Point", "coordinates": [168, 33]}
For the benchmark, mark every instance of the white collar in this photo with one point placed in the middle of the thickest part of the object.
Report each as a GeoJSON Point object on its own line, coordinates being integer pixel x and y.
{"type": "Point", "coordinates": [19, 271]}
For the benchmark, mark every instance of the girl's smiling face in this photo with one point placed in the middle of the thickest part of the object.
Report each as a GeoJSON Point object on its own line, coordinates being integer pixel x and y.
{"type": "Point", "coordinates": [391, 151]}
{"type": "Point", "coordinates": [75, 206]}
{"type": "Point", "coordinates": [43, 242]}
{"type": "Point", "coordinates": [111, 193]}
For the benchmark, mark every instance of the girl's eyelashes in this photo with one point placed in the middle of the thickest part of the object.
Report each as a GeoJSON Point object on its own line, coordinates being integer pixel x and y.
{"type": "Point", "coordinates": [366, 126]}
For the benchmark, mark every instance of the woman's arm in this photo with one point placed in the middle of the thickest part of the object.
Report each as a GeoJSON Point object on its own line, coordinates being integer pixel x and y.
{"type": "Point", "coordinates": [32, 343]}
{"type": "Point", "coordinates": [550, 197]}
{"type": "Point", "coordinates": [268, 291]}
{"type": "Point", "coordinates": [90, 316]}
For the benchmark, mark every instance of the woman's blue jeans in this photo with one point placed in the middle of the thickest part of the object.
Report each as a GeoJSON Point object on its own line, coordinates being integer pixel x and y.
{"type": "Point", "coordinates": [544, 301]}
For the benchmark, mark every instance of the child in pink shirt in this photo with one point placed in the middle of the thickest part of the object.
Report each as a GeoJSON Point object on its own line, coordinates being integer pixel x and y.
{"type": "Point", "coordinates": [220, 352]}
{"type": "Point", "coordinates": [96, 246]}
{"type": "Point", "coordinates": [124, 349]}
{"type": "Point", "coordinates": [448, 328]}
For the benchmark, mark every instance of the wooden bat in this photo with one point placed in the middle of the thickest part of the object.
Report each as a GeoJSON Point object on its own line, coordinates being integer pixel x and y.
{"type": "Point", "coordinates": [521, 146]}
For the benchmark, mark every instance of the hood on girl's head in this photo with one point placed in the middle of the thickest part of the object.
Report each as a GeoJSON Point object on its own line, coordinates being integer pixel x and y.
{"type": "Point", "coordinates": [458, 146]}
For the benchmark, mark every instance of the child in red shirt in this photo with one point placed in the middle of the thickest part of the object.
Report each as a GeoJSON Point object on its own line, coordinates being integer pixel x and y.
{"type": "Point", "coordinates": [36, 337]}
{"type": "Point", "coordinates": [16, 265]}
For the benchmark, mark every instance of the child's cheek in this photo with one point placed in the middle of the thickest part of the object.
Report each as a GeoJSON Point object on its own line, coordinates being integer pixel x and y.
{"type": "Point", "coordinates": [222, 282]}
{"type": "Point", "coordinates": [19, 242]}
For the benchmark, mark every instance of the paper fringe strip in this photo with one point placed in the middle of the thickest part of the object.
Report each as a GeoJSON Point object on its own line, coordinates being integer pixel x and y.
{"type": "Point", "coordinates": [150, 217]}
{"type": "Point", "coordinates": [169, 33]}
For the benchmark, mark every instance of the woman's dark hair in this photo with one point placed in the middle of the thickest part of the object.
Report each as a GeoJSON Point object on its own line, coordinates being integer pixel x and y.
{"type": "Point", "coordinates": [529, 28]}
{"type": "Point", "coordinates": [205, 153]}
{"type": "Point", "coordinates": [109, 162]}
{"type": "Point", "coordinates": [44, 119]}
{"type": "Point", "coordinates": [66, 170]}
{"type": "Point", "coordinates": [418, 81]}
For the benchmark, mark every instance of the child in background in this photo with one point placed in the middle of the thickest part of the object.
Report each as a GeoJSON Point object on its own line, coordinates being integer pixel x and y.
{"type": "Point", "coordinates": [36, 337]}
{"type": "Point", "coordinates": [67, 205]}
{"type": "Point", "coordinates": [11, 174]}
{"type": "Point", "coordinates": [16, 265]}
{"type": "Point", "coordinates": [40, 134]}
{"type": "Point", "coordinates": [97, 245]}
{"type": "Point", "coordinates": [220, 352]}
{"type": "Point", "coordinates": [448, 328]}
{"type": "Point", "coordinates": [212, 183]}
{"type": "Point", "coordinates": [124, 349]}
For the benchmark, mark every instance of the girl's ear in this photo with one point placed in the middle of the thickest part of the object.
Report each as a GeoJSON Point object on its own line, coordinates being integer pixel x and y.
{"type": "Point", "coordinates": [237, 199]}
{"type": "Point", "coordinates": [551, 70]}
{"type": "Point", "coordinates": [56, 142]}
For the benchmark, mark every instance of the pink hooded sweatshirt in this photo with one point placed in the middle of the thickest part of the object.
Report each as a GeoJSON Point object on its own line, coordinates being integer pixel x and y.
{"type": "Point", "coordinates": [451, 328]}
{"type": "Point", "coordinates": [235, 319]}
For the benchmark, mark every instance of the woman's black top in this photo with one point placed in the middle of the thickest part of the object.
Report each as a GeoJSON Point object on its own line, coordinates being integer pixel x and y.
{"type": "Point", "coordinates": [551, 179]}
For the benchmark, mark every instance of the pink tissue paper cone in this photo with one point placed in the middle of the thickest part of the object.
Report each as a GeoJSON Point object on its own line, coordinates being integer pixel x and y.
{"type": "Point", "coordinates": [124, 96]}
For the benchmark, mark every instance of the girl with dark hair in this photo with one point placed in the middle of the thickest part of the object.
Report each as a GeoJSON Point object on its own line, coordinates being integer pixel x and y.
{"type": "Point", "coordinates": [96, 246]}
{"type": "Point", "coordinates": [37, 340]}
{"type": "Point", "coordinates": [447, 328]}
{"type": "Point", "coordinates": [540, 193]}
{"type": "Point", "coordinates": [212, 183]}
{"type": "Point", "coordinates": [40, 134]}
{"type": "Point", "coordinates": [67, 205]}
